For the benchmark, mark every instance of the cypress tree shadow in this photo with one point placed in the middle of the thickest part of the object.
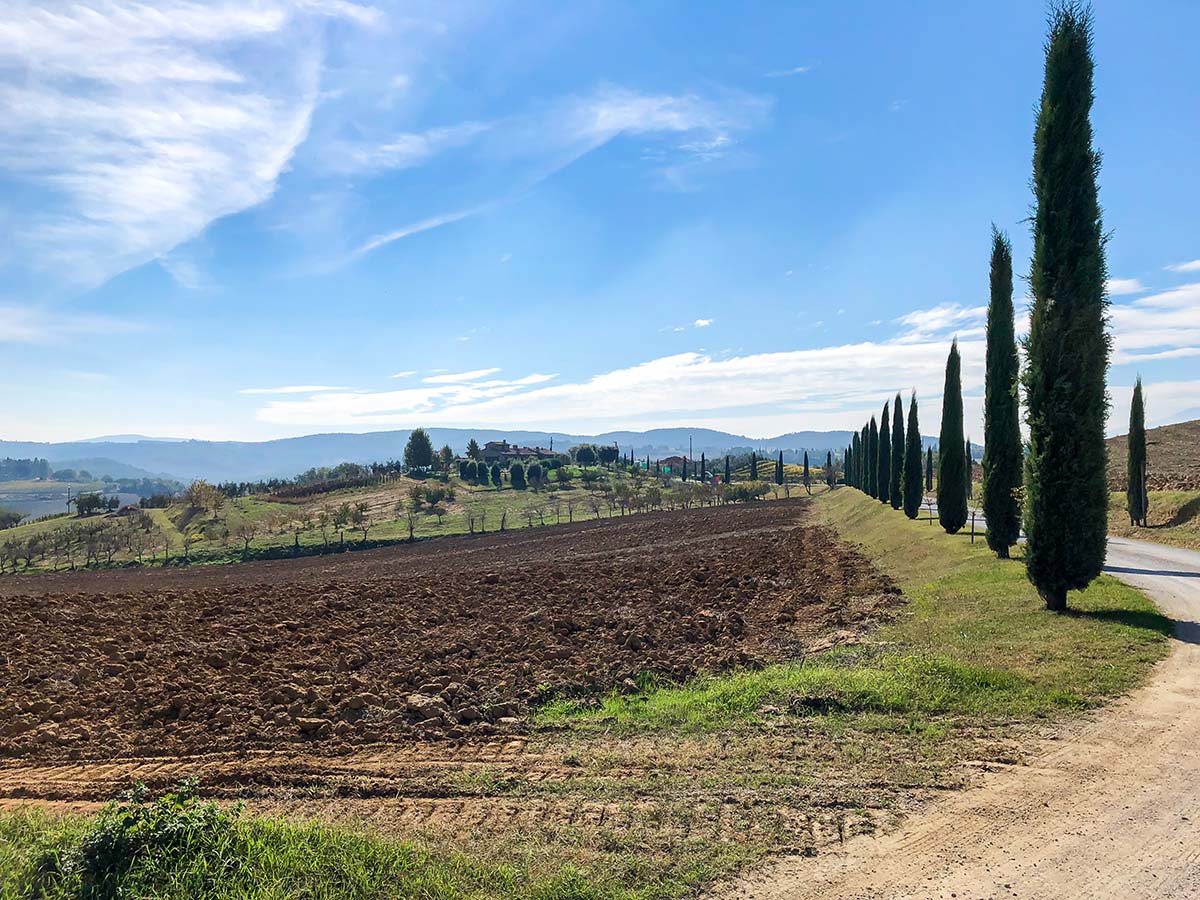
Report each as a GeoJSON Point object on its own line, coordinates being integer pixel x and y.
{"type": "Point", "coordinates": [1167, 572]}
{"type": "Point", "coordinates": [1189, 632]}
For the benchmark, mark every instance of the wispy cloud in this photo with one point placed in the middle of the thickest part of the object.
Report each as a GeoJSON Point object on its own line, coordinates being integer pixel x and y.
{"type": "Point", "coordinates": [922, 324]}
{"type": "Point", "coordinates": [403, 151]}
{"type": "Point", "coordinates": [36, 325]}
{"type": "Point", "coordinates": [139, 124]}
{"type": "Point", "coordinates": [456, 377]}
{"type": "Point", "coordinates": [688, 132]}
{"type": "Point", "coordinates": [787, 73]}
{"type": "Point", "coordinates": [702, 323]}
{"type": "Point", "coordinates": [404, 231]}
{"type": "Point", "coordinates": [293, 389]}
{"type": "Point", "coordinates": [1192, 266]}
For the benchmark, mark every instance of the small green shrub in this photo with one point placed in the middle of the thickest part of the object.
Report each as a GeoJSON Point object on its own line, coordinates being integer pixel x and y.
{"type": "Point", "coordinates": [141, 843]}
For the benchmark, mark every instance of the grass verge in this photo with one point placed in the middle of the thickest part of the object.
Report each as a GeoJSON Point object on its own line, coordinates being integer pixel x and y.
{"type": "Point", "coordinates": [976, 643]}
{"type": "Point", "coordinates": [1174, 518]}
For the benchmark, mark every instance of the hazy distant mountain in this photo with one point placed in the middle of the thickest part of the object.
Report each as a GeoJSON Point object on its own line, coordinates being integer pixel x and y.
{"type": "Point", "coordinates": [127, 439]}
{"type": "Point", "coordinates": [283, 458]}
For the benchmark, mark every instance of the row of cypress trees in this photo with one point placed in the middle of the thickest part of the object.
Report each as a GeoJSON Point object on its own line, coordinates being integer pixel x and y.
{"type": "Point", "coordinates": [1059, 485]}
{"type": "Point", "coordinates": [884, 461]}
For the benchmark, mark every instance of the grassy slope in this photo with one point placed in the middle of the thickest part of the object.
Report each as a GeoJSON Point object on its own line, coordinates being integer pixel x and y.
{"type": "Point", "coordinates": [860, 728]}
{"type": "Point", "coordinates": [1174, 518]}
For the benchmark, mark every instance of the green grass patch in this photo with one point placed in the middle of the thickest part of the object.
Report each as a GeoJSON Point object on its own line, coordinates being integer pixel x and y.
{"type": "Point", "coordinates": [975, 643]}
{"type": "Point", "coordinates": [177, 847]}
{"type": "Point", "coordinates": [1173, 518]}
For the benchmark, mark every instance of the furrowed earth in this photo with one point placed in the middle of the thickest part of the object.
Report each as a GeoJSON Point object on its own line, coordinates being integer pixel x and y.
{"type": "Point", "coordinates": [451, 641]}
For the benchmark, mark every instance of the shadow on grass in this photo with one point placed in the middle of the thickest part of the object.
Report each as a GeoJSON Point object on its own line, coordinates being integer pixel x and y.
{"type": "Point", "coordinates": [1150, 621]}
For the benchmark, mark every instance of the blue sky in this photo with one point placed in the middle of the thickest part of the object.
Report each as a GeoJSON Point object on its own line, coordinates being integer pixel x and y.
{"type": "Point", "coordinates": [250, 220]}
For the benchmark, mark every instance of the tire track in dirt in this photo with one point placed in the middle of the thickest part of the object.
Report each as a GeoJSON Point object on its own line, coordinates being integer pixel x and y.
{"type": "Point", "coordinates": [1110, 809]}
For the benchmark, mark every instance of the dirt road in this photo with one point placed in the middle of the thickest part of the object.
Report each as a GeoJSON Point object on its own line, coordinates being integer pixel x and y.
{"type": "Point", "coordinates": [1109, 809]}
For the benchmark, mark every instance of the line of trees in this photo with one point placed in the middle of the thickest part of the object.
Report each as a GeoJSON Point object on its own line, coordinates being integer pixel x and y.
{"type": "Point", "coordinates": [1057, 487]}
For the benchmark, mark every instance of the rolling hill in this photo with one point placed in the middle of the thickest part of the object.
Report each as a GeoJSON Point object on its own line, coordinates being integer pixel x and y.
{"type": "Point", "coordinates": [286, 457]}
{"type": "Point", "coordinates": [1173, 454]}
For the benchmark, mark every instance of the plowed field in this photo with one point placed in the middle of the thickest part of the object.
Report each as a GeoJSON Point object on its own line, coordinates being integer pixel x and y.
{"type": "Point", "coordinates": [449, 639]}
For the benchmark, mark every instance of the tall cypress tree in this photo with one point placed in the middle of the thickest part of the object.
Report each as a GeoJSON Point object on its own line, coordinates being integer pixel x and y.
{"type": "Point", "coordinates": [864, 448]}
{"type": "Point", "coordinates": [779, 469]}
{"type": "Point", "coordinates": [952, 480]}
{"type": "Point", "coordinates": [1002, 452]}
{"type": "Point", "coordinates": [873, 459]}
{"type": "Point", "coordinates": [929, 469]}
{"type": "Point", "coordinates": [912, 462]}
{"type": "Point", "coordinates": [807, 477]}
{"type": "Point", "coordinates": [884, 488]}
{"type": "Point", "coordinates": [830, 476]}
{"type": "Point", "coordinates": [867, 450]}
{"type": "Point", "coordinates": [896, 493]}
{"type": "Point", "coordinates": [753, 466]}
{"type": "Point", "coordinates": [852, 469]}
{"type": "Point", "coordinates": [1135, 489]}
{"type": "Point", "coordinates": [1066, 495]}
{"type": "Point", "coordinates": [968, 469]}
{"type": "Point", "coordinates": [703, 469]}
{"type": "Point", "coordinates": [728, 473]}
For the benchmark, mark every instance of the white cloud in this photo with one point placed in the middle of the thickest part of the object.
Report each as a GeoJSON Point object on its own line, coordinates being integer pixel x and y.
{"type": "Point", "coordinates": [826, 387]}
{"type": "Point", "coordinates": [922, 324]}
{"type": "Point", "coordinates": [142, 123]}
{"type": "Point", "coordinates": [35, 325]}
{"type": "Point", "coordinates": [457, 377]}
{"type": "Point", "coordinates": [1165, 322]}
{"type": "Point", "coordinates": [292, 389]}
{"type": "Point", "coordinates": [1117, 287]}
{"type": "Point", "coordinates": [702, 323]}
{"type": "Point", "coordinates": [406, 374]}
{"type": "Point", "coordinates": [1192, 266]}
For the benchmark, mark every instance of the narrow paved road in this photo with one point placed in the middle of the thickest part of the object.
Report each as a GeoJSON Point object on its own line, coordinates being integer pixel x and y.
{"type": "Point", "coordinates": [1109, 811]}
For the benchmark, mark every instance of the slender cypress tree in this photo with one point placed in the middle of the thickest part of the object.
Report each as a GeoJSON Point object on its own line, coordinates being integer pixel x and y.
{"type": "Point", "coordinates": [728, 473]}
{"type": "Point", "coordinates": [1135, 490]}
{"type": "Point", "coordinates": [912, 462]}
{"type": "Point", "coordinates": [865, 448]}
{"type": "Point", "coordinates": [852, 468]}
{"type": "Point", "coordinates": [753, 466]}
{"type": "Point", "coordinates": [807, 477]}
{"type": "Point", "coordinates": [896, 492]}
{"type": "Point", "coordinates": [779, 469]}
{"type": "Point", "coordinates": [873, 459]}
{"type": "Point", "coordinates": [830, 475]}
{"type": "Point", "coordinates": [1002, 452]}
{"type": "Point", "coordinates": [1066, 494]}
{"type": "Point", "coordinates": [929, 469]}
{"type": "Point", "coordinates": [884, 488]}
{"type": "Point", "coordinates": [952, 481]}
{"type": "Point", "coordinates": [968, 469]}
{"type": "Point", "coordinates": [703, 469]}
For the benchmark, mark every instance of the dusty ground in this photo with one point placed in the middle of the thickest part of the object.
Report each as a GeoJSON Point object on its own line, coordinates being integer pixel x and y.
{"type": "Point", "coordinates": [1110, 809]}
{"type": "Point", "coordinates": [453, 639]}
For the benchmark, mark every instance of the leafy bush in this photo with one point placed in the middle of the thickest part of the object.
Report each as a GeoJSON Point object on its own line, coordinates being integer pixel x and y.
{"type": "Point", "coordinates": [138, 845]}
